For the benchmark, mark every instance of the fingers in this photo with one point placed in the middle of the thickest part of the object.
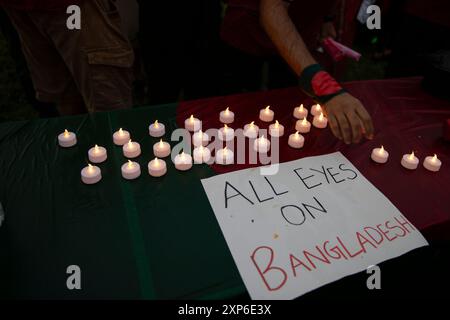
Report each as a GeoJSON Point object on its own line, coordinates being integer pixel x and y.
{"type": "Point", "coordinates": [346, 132]}
{"type": "Point", "coordinates": [335, 127]}
{"type": "Point", "coordinates": [355, 125]}
{"type": "Point", "coordinates": [366, 120]}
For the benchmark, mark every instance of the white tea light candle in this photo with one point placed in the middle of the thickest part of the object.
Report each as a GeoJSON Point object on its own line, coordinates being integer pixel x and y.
{"type": "Point", "coordinates": [226, 133]}
{"type": "Point", "coordinates": [251, 130]}
{"type": "Point", "coordinates": [157, 129]}
{"type": "Point", "coordinates": [67, 139]}
{"type": "Point", "coordinates": [296, 140]}
{"type": "Point", "coordinates": [226, 116]}
{"type": "Point", "coordinates": [161, 149]}
{"type": "Point", "coordinates": [316, 110]}
{"type": "Point", "coordinates": [379, 155]}
{"type": "Point", "coordinates": [300, 112]}
{"type": "Point", "coordinates": [91, 174]}
{"type": "Point", "coordinates": [192, 124]}
{"type": "Point", "coordinates": [224, 156]}
{"type": "Point", "coordinates": [131, 149]}
{"type": "Point", "coordinates": [261, 145]}
{"type": "Point", "coordinates": [320, 121]}
{"type": "Point", "coordinates": [201, 155]}
{"type": "Point", "coordinates": [97, 154]}
{"type": "Point", "coordinates": [157, 168]}
{"type": "Point", "coordinates": [183, 161]}
{"type": "Point", "coordinates": [121, 137]}
{"type": "Point", "coordinates": [410, 161]}
{"type": "Point", "coordinates": [303, 126]}
{"type": "Point", "coordinates": [432, 163]}
{"type": "Point", "coordinates": [276, 130]}
{"type": "Point", "coordinates": [200, 139]}
{"type": "Point", "coordinates": [266, 114]}
{"type": "Point", "coordinates": [131, 170]}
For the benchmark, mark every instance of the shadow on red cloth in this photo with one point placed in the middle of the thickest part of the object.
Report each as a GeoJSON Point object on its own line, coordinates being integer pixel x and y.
{"type": "Point", "coordinates": [405, 118]}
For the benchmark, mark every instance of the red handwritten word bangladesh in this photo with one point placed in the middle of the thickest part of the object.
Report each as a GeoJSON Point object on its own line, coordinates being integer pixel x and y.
{"type": "Point", "coordinates": [328, 251]}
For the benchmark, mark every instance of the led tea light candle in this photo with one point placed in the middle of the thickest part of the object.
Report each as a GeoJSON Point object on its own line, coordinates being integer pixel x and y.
{"type": "Point", "coordinates": [300, 112]}
{"type": "Point", "coordinates": [380, 155]}
{"type": "Point", "coordinates": [131, 149]}
{"type": "Point", "coordinates": [303, 126]}
{"type": "Point", "coordinates": [410, 161]}
{"type": "Point", "coordinates": [261, 145]}
{"type": "Point", "coordinates": [201, 155]}
{"type": "Point", "coordinates": [157, 168]}
{"type": "Point", "coordinates": [200, 139]}
{"type": "Point", "coordinates": [226, 133]}
{"type": "Point", "coordinates": [224, 156]}
{"type": "Point", "coordinates": [276, 130]}
{"type": "Point", "coordinates": [320, 121]}
{"type": "Point", "coordinates": [432, 163]}
{"type": "Point", "coordinates": [67, 139]}
{"type": "Point", "coordinates": [121, 137]}
{"type": "Point", "coordinates": [183, 161]}
{"type": "Point", "coordinates": [251, 130]}
{"type": "Point", "coordinates": [227, 116]}
{"type": "Point", "coordinates": [157, 129]}
{"type": "Point", "coordinates": [97, 154]}
{"type": "Point", "coordinates": [91, 174]}
{"type": "Point", "coordinates": [192, 124]}
{"type": "Point", "coordinates": [266, 114]}
{"type": "Point", "coordinates": [131, 170]}
{"type": "Point", "coordinates": [161, 149]}
{"type": "Point", "coordinates": [316, 110]}
{"type": "Point", "coordinates": [296, 140]}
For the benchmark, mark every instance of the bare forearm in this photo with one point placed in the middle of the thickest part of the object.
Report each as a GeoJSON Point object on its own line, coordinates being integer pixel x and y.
{"type": "Point", "coordinates": [283, 33]}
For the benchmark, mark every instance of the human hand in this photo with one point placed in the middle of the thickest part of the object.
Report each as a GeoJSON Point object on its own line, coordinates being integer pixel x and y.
{"type": "Point", "coordinates": [328, 30]}
{"type": "Point", "coordinates": [348, 118]}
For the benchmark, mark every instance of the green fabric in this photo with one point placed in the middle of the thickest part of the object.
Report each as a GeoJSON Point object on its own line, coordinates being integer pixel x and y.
{"type": "Point", "coordinates": [153, 238]}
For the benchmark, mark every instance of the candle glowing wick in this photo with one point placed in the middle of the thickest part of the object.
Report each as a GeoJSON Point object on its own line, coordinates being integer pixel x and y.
{"type": "Point", "coordinates": [156, 124]}
{"type": "Point", "coordinates": [381, 150]}
{"type": "Point", "coordinates": [66, 133]}
{"type": "Point", "coordinates": [252, 124]}
{"type": "Point", "coordinates": [121, 132]}
{"type": "Point", "coordinates": [156, 162]}
{"type": "Point", "coordinates": [227, 111]}
{"type": "Point", "coordinates": [90, 168]}
{"type": "Point", "coordinates": [96, 149]}
{"type": "Point", "coordinates": [296, 135]}
{"type": "Point", "coordinates": [304, 122]}
{"type": "Point", "coordinates": [411, 156]}
{"type": "Point", "coordinates": [182, 155]}
{"type": "Point", "coordinates": [191, 118]}
{"type": "Point", "coordinates": [277, 124]}
{"type": "Point", "coordinates": [225, 128]}
{"type": "Point", "coordinates": [267, 109]}
{"type": "Point", "coordinates": [161, 144]}
{"type": "Point", "coordinates": [434, 158]}
{"type": "Point", "coordinates": [130, 144]}
{"type": "Point", "coordinates": [318, 107]}
{"type": "Point", "coordinates": [130, 164]}
{"type": "Point", "coordinates": [321, 116]}
{"type": "Point", "coordinates": [300, 108]}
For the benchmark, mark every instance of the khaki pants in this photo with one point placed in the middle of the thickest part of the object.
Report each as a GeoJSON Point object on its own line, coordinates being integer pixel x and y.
{"type": "Point", "coordinates": [78, 69]}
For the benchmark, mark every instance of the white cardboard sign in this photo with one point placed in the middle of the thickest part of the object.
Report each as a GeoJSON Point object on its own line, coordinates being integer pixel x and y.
{"type": "Point", "coordinates": [317, 220]}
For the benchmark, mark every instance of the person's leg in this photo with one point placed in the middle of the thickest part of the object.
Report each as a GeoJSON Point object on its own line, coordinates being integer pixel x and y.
{"type": "Point", "coordinates": [51, 78]}
{"type": "Point", "coordinates": [99, 56]}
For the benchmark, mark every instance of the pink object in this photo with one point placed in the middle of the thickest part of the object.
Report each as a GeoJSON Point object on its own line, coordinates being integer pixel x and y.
{"type": "Point", "coordinates": [338, 51]}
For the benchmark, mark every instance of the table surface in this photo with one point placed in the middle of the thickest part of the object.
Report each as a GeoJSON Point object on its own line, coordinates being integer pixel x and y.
{"type": "Point", "coordinates": [157, 238]}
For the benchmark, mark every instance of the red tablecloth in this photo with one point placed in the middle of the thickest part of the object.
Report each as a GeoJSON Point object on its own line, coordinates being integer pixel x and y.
{"type": "Point", "coordinates": [405, 118]}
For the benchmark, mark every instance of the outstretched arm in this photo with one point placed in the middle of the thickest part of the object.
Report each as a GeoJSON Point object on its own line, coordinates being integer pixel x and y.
{"type": "Point", "coordinates": [348, 118]}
